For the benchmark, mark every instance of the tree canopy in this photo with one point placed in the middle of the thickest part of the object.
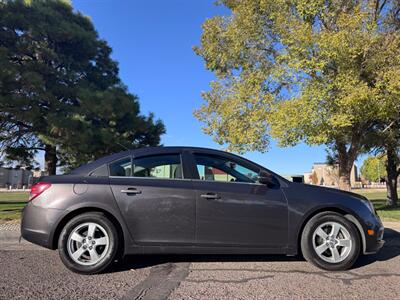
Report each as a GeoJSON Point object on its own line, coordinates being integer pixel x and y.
{"type": "Point", "coordinates": [373, 168]}
{"type": "Point", "coordinates": [60, 91]}
{"type": "Point", "coordinates": [319, 72]}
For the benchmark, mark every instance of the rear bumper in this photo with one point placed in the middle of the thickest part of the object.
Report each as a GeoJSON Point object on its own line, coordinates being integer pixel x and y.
{"type": "Point", "coordinates": [38, 224]}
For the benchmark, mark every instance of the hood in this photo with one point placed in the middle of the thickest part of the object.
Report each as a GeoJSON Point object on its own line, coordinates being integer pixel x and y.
{"type": "Point", "coordinates": [330, 190]}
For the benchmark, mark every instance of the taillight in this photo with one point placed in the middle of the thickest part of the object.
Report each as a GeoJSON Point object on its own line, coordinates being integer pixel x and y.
{"type": "Point", "coordinates": [37, 189]}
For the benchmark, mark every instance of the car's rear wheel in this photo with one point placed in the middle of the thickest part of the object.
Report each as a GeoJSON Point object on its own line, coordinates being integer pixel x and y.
{"type": "Point", "coordinates": [88, 243]}
{"type": "Point", "coordinates": [330, 242]}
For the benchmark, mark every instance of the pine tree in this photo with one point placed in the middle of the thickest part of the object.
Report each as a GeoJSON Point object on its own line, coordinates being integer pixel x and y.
{"type": "Point", "coordinates": [60, 91]}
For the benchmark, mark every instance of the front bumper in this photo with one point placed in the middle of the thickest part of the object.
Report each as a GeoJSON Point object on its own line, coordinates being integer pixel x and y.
{"type": "Point", "coordinates": [373, 243]}
{"type": "Point", "coordinates": [38, 224]}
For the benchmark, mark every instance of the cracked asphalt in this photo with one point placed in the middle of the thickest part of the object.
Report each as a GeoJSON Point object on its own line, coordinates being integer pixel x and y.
{"type": "Point", "coordinates": [31, 272]}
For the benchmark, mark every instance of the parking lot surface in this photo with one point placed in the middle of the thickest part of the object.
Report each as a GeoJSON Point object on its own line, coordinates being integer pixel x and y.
{"type": "Point", "coordinates": [31, 272]}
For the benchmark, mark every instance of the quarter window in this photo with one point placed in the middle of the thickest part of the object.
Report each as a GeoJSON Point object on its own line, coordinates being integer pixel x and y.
{"type": "Point", "coordinates": [158, 166]}
{"type": "Point", "coordinates": [121, 167]}
{"type": "Point", "coordinates": [215, 168]}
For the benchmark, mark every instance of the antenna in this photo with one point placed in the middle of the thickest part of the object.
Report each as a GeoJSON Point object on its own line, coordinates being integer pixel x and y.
{"type": "Point", "coordinates": [122, 146]}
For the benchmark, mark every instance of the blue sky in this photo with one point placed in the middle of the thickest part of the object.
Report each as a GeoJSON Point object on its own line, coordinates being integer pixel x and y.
{"type": "Point", "coordinates": [152, 41]}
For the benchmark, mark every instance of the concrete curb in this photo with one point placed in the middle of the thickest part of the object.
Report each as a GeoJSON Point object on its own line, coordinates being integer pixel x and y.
{"type": "Point", "coordinates": [9, 236]}
{"type": "Point", "coordinates": [392, 225]}
{"type": "Point", "coordinates": [10, 233]}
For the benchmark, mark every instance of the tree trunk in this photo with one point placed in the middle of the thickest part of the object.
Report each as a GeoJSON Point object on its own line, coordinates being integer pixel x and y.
{"type": "Point", "coordinates": [50, 160]}
{"type": "Point", "coordinates": [344, 178]}
{"type": "Point", "coordinates": [392, 175]}
{"type": "Point", "coordinates": [345, 162]}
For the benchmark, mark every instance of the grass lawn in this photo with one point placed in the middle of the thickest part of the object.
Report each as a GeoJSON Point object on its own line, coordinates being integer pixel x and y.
{"type": "Point", "coordinates": [14, 196]}
{"type": "Point", "coordinates": [11, 204]}
{"type": "Point", "coordinates": [378, 198]}
{"type": "Point", "coordinates": [10, 210]}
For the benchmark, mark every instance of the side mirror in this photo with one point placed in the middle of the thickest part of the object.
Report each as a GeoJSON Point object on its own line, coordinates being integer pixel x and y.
{"type": "Point", "coordinates": [267, 179]}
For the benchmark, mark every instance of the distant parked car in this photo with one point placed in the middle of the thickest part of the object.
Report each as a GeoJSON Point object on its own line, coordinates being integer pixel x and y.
{"type": "Point", "coordinates": [194, 200]}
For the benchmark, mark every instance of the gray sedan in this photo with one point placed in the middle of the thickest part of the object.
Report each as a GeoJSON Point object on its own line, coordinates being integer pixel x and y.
{"type": "Point", "coordinates": [194, 200]}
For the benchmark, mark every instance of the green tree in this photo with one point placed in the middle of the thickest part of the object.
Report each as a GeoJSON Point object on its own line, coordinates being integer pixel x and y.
{"type": "Point", "coordinates": [373, 168]}
{"type": "Point", "coordinates": [318, 72]}
{"type": "Point", "coordinates": [60, 91]}
{"type": "Point", "coordinates": [390, 137]}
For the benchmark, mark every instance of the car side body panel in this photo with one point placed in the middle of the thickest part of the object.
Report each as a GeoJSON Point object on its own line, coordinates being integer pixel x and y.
{"type": "Point", "coordinates": [163, 212]}
{"type": "Point", "coordinates": [251, 215]}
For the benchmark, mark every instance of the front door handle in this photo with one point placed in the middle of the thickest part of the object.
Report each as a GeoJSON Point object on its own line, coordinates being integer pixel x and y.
{"type": "Point", "coordinates": [134, 191]}
{"type": "Point", "coordinates": [210, 196]}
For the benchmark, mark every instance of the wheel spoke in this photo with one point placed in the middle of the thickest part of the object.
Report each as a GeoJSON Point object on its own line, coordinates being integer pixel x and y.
{"type": "Point", "coordinates": [101, 241]}
{"type": "Point", "coordinates": [321, 233]}
{"type": "Point", "coordinates": [321, 249]}
{"type": "Point", "coordinates": [335, 230]}
{"type": "Point", "coordinates": [344, 242]}
{"type": "Point", "coordinates": [93, 255]}
{"type": "Point", "coordinates": [78, 253]}
{"type": "Point", "coordinates": [77, 237]}
{"type": "Point", "coordinates": [335, 254]}
{"type": "Point", "coordinates": [91, 229]}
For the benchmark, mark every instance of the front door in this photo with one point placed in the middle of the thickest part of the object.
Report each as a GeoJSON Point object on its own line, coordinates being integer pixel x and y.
{"type": "Point", "coordinates": [232, 209]}
{"type": "Point", "coordinates": [157, 202]}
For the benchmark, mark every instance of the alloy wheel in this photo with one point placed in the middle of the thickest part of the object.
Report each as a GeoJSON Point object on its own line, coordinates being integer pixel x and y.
{"type": "Point", "coordinates": [332, 242]}
{"type": "Point", "coordinates": [88, 243]}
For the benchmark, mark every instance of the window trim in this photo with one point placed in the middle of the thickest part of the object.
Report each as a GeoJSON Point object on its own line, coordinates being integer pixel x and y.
{"type": "Point", "coordinates": [228, 182]}
{"type": "Point", "coordinates": [143, 156]}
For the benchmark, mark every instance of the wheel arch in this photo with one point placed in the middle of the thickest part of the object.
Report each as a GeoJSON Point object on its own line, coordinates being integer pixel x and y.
{"type": "Point", "coordinates": [345, 213]}
{"type": "Point", "coordinates": [71, 214]}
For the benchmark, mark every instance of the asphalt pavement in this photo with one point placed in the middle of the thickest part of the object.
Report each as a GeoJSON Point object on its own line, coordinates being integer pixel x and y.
{"type": "Point", "coordinates": [31, 272]}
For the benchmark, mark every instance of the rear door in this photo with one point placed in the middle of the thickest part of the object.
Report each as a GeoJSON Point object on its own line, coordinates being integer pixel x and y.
{"type": "Point", "coordinates": [233, 209]}
{"type": "Point", "coordinates": [158, 203]}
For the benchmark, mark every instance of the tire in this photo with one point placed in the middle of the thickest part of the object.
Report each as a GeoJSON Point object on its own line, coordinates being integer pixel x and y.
{"type": "Point", "coordinates": [86, 253]}
{"type": "Point", "coordinates": [330, 242]}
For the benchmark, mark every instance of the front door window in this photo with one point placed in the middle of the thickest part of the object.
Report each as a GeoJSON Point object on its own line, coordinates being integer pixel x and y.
{"type": "Point", "coordinates": [215, 168]}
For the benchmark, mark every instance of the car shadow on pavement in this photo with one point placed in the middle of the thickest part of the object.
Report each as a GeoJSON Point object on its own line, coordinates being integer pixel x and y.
{"type": "Point", "coordinates": [144, 261]}
{"type": "Point", "coordinates": [390, 250]}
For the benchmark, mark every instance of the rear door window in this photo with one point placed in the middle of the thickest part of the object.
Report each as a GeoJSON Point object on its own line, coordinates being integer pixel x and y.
{"type": "Point", "coordinates": [158, 166]}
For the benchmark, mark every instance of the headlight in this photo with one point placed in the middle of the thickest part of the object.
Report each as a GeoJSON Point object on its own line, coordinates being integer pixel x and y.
{"type": "Point", "coordinates": [369, 205]}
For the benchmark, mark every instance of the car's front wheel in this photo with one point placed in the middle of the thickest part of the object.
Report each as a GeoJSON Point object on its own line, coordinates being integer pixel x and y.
{"type": "Point", "coordinates": [88, 243]}
{"type": "Point", "coordinates": [330, 242]}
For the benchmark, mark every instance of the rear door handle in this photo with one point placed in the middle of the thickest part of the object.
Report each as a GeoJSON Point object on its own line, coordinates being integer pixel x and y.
{"type": "Point", "coordinates": [210, 196]}
{"type": "Point", "coordinates": [131, 191]}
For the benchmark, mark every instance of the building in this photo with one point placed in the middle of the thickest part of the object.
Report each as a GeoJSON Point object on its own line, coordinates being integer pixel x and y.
{"type": "Point", "coordinates": [15, 178]}
{"type": "Point", "coordinates": [328, 175]}
{"type": "Point", "coordinates": [294, 177]}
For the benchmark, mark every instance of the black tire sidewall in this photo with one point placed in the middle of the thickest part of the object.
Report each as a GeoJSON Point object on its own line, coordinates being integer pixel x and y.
{"type": "Point", "coordinates": [100, 219]}
{"type": "Point", "coordinates": [308, 248]}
